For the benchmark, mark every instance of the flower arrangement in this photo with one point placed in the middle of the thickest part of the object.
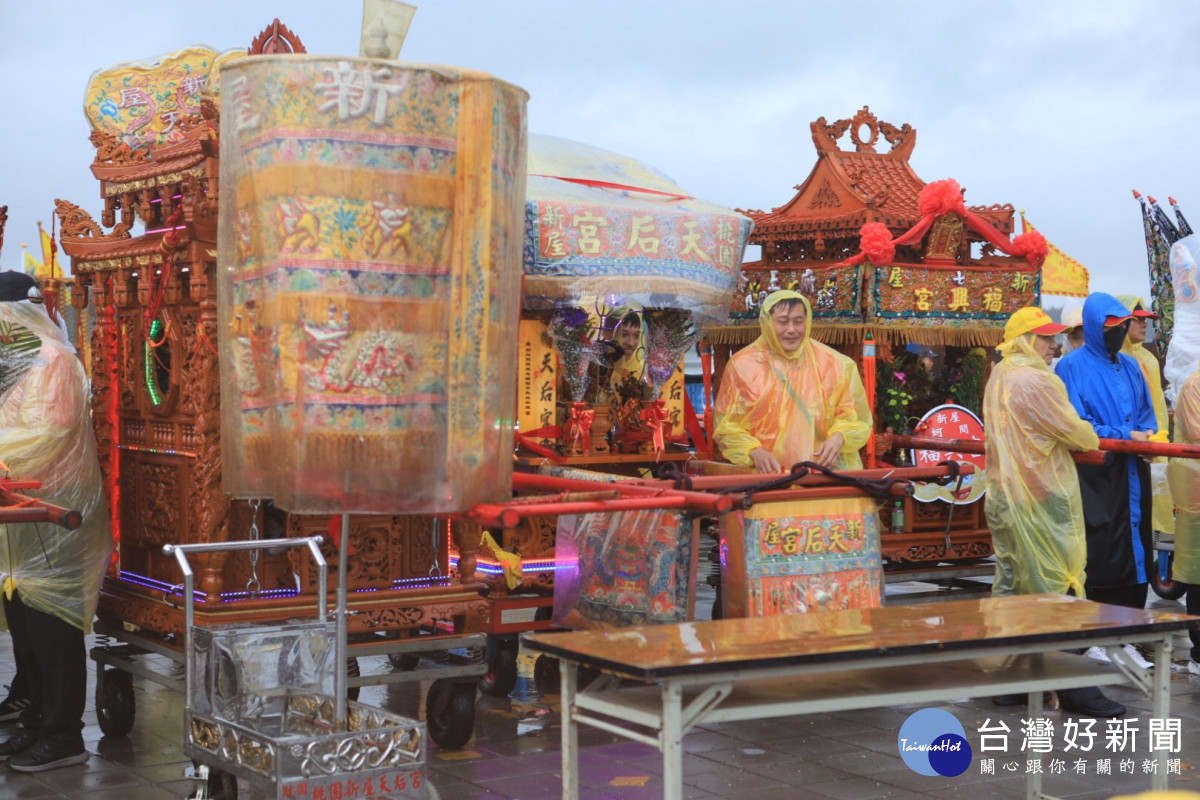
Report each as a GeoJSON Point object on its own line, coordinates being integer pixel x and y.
{"type": "Point", "coordinates": [571, 336]}
{"type": "Point", "coordinates": [670, 332]}
{"type": "Point", "coordinates": [965, 382]}
{"type": "Point", "coordinates": [892, 397]}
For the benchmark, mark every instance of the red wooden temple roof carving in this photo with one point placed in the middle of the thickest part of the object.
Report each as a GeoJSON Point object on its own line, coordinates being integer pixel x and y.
{"type": "Point", "coordinates": [848, 188]}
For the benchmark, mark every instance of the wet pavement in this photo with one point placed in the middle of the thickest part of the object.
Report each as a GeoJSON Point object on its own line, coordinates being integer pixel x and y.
{"type": "Point", "coordinates": [515, 749]}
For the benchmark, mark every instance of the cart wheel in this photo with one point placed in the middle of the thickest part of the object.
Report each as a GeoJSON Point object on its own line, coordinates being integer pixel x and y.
{"type": "Point", "coordinates": [352, 671]}
{"type": "Point", "coordinates": [114, 702]}
{"type": "Point", "coordinates": [1162, 579]}
{"type": "Point", "coordinates": [450, 712]}
{"type": "Point", "coordinates": [213, 784]}
{"type": "Point", "coordinates": [405, 662]}
{"type": "Point", "coordinates": [501, 676]}
{"type": "Point", "coordinates": [546, 675]}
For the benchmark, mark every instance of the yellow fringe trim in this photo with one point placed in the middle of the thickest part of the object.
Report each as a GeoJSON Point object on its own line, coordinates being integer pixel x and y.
{"type": "Point", "coordinates": [854, 334]}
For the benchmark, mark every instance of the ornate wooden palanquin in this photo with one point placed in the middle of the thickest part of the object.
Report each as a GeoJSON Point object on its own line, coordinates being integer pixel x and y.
{"type": "Point", "coordinates": [949, 287]}
{"type": "Point", "coordinates": [152, 352]}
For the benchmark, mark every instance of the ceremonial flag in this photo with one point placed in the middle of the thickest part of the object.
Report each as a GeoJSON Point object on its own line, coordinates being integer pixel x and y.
{"type": "Point", "coordinates": [1061, 274]}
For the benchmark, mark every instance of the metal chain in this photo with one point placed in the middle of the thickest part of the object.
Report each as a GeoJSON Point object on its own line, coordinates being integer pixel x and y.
{"type": "Point", "coordinates": [253, 585]}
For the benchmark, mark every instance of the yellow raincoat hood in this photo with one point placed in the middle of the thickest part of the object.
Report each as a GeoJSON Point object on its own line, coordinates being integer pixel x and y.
{"type": "Point", "coordinates": [1033, 506]}
{"type": "Point", "coordinates": [789, 403]}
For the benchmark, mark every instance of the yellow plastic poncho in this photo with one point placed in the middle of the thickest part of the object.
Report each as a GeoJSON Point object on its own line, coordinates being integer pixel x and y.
{"type": "Point", "coordinates": [46, 435]}
{"type": "Point", "coordinates": [1184, 476]}
{"type": "Point", "coordinates": [789, 403]}
{"type": "Point", "coordinates": [1033, 506]}
{"type": "Point", "coordinates": [1163, 509]}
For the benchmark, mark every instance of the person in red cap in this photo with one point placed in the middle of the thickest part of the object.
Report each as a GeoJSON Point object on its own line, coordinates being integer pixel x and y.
{"type": "Point", "coordinates": [1032, 505]}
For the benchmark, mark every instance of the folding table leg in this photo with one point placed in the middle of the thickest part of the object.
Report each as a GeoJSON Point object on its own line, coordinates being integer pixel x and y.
{"type": "Point", "coordinates": [672, 741]}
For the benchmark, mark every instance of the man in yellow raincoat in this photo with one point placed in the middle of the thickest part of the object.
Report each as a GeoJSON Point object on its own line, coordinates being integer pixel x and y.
{"type": "Point", "coordinates": [1163, 510]}
{"type": "Point", "coordinates": [51, 576]}
{"type": "Point", "coordinates": [1033, 505]}
{"type": "Point", "coordinates": [786, 398]}
{"type": "Point", "coordinates": [1184, 477]}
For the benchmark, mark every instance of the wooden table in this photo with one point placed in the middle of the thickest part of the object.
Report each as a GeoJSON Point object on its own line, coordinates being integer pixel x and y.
{"type": "Point", "coordinates": [661, 681]}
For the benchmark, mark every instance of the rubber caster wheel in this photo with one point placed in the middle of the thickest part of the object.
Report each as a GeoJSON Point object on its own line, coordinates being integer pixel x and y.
{"type": "Point", "coordinates": [450, 712]}
{"type": "Point", "coordinates": [405, 662]}
{"type": "Point", "coordinates": [213, 784]}
{"type": "Point", "coordinates": [1168, 588]}
{"type": "Point", "coordinates": [501, 677]}
{"type": "Point", "coordinates": [115, 705]}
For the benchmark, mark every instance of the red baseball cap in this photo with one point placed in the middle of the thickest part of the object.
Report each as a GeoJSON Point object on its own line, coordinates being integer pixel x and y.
{"type": "Point", "coordinates": [1111, 321]}
{"type": "Point", "coordinates": [1144, 314]}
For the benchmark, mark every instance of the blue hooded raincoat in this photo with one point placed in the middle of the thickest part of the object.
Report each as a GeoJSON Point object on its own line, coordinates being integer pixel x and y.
{"type": "Point", "coordinates": [1111, 395]}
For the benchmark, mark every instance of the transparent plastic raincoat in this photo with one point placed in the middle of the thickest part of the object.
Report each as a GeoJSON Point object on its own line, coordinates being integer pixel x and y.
{"type": "Point", "coordinates": [1184, 477]}
{"type": "Point", "coordinates": [46, 435]}
{"type": "Point", "coordinates": [1163, 513]}
{"type": "Point", "coordinates": [789, 403]}
{"type": "Point", "coordinates": [1033, 506]}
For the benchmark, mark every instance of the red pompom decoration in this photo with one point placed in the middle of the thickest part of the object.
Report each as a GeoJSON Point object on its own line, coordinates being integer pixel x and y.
{"type": "Point", "coordinates": [1032, 246]}
{"type": "Point", "coordinates": [877, 244]}
{"type": "Point", "coordinates": [941, 197]}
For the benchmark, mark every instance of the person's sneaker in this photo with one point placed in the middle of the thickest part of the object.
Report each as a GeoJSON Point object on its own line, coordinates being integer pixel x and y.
{"type": "Point", "coordinates": [1136, 657]}
{"type": "Point", "coordinates": [19, 742]}
{"type": "Point", "coordinates": [1194, 667]}
{"type": "Point", "coordinates": [46, 755]}
{"type": "Point", "coordinates": [12, 706]}
{"type": "Point", "coordinates": [1098, 654]}
{"type": "Point", "coordinates": [1089, 702]}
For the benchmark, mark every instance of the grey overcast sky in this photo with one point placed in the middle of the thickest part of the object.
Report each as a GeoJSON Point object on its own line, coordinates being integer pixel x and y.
{"type": "Point", "coordinates": [1056, 106]}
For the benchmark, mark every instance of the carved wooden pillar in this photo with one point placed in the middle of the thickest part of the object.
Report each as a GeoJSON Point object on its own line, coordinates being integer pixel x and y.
{"type": "Point", "coordinates": [466, 537]}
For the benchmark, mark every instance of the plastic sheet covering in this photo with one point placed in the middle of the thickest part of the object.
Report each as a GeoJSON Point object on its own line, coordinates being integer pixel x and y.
{"type": "Point", "coordinates": [46, 435]}
{"type": "Point", "coordinates": [1183, 353]}
{"type": "Point", "coordinates": [1184, 476]}
{"type": "Point", "coordinates": [1033, 505]}
{"type": "Point", "coordinates": [604, 228]}
{"type": "Point", "coordinates": [244, 673]}
{"type": "Point", "coordinates": [624, 568]}
{"type": "Point", "coordinates": [801, 556]}
{"type": "Point", "coordinates": [789, 403]}
{"type": "Point", "coordinates": [368, 293]}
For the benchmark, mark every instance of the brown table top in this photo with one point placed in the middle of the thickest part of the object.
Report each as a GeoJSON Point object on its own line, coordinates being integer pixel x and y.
{"type": "Point", "coordinates": [660, 651]}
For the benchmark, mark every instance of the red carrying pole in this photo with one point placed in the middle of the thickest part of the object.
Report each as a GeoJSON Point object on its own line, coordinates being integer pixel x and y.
{"type": "Point", "coordinates": [1150, 449]}
{"type": "Point", "coordinates": [708, 482]}
{"type": "Point", "coordinates": [718, 504]}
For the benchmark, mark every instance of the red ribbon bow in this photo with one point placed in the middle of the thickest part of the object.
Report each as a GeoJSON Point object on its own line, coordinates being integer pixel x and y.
{"type": "Point", "coordinates": [655, 415]}
{"type": "Point", "coordinates": [580, 426]}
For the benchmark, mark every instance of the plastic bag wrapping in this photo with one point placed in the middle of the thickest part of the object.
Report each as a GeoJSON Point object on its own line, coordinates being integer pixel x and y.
{"type": "Point", "coordinates": [789, 403]}
{"type": "Point", "coordinates": [624, 568]}
{"type": "Point", "coordinates": [1183, 353]}
{"type": "Point", "coordinates": [604, 228]}
{"type": "Point", "coordinates": [370, 228]}
{"type": "Point", "coordinates": [801, 556]}
{"type": "Point", "coordinates": [1033, 505]}
{"type": "Point", "coordinates": [1184, 476]}
{"type": "Point", "coordinates": [46, 435]}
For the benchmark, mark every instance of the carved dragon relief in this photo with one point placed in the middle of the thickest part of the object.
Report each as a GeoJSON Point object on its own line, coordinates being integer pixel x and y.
{"type": "Point", "coordinates": [111, 150]}
{"type": "Point", "coordinates": [826, 135]}
{"type": "Point", "coordinates": [79, 226]}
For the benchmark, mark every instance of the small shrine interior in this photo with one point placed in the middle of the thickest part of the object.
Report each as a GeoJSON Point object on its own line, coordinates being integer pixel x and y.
{"type": "Point", "coordinates": [886, 259]}
{"type": "Point", "coordinates": [151, 348]}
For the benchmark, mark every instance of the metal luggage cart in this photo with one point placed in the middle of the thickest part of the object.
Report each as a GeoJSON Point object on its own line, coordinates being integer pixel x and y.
{"type": "Point", "coordinates": [266, 704]}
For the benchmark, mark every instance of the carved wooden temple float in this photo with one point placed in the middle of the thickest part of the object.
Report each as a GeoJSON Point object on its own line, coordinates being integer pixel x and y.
{"type": "Point", "coordinates": [152, 354]}
{"type": "Point", "coordinates": [883, 256]}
